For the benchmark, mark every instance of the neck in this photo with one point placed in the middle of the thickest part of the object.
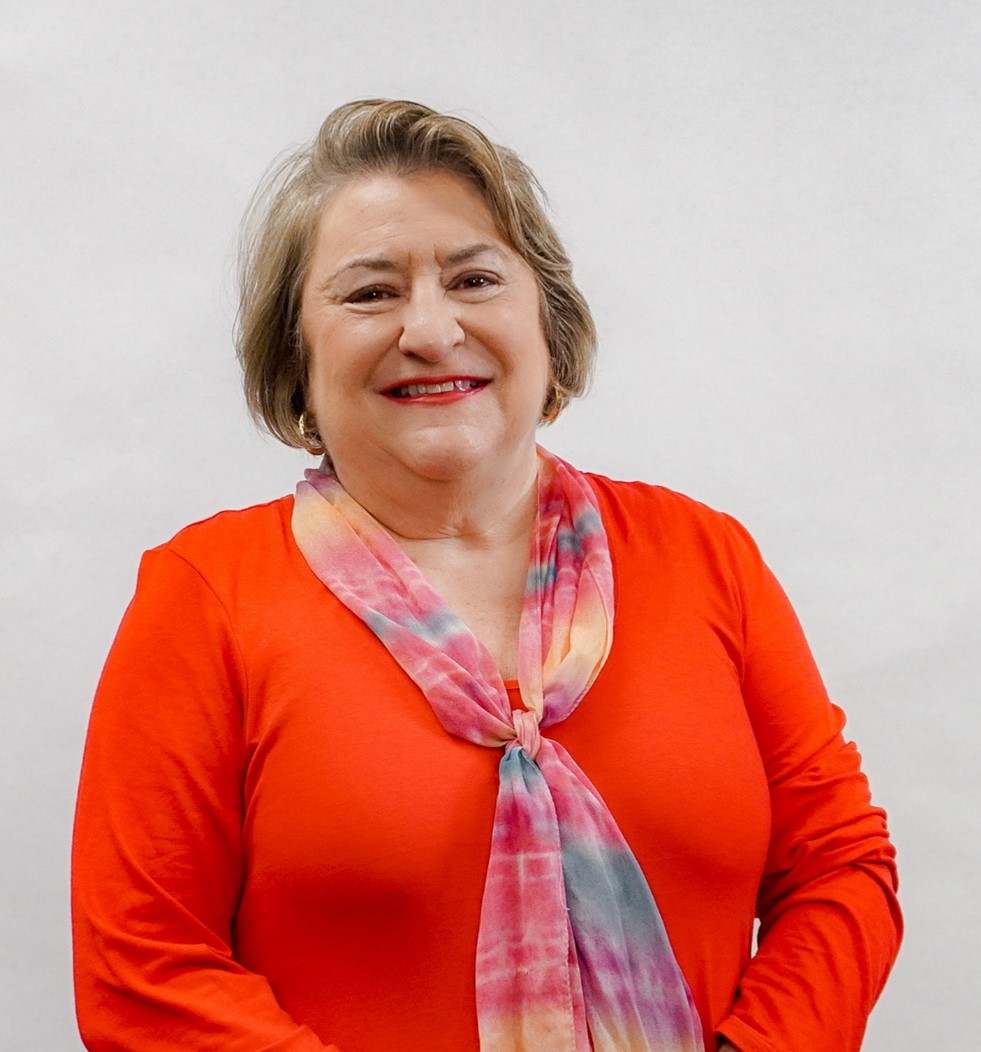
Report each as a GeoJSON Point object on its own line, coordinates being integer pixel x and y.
{"type": "Point", "coordinates": [493, 504]}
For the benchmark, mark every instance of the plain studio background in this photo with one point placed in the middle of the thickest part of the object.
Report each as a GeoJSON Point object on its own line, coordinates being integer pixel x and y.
{"type": "Point", "coordinates": [774, 210]}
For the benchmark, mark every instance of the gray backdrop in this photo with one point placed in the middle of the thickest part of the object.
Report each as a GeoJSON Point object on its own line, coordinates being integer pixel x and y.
{"type": "Point", "coordinates": [774, 208]}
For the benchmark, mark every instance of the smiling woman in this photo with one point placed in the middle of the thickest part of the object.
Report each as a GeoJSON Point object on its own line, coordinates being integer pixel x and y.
{"type": "Point", "coordinates": [425, 346]}
{"type": "Point", "coordinates": [460, 748]}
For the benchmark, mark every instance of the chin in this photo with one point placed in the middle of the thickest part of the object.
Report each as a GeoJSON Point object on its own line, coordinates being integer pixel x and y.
{"type": "Point", "coordinates": [443, 464]}
{"type": "Point", "coordinates": [446, 458]}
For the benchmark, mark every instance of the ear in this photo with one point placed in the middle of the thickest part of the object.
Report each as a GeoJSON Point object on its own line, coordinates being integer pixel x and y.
{"type": "Point", "coordinates": [310, 434]}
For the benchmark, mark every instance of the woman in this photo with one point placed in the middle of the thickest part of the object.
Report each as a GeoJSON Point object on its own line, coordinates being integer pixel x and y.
{"type": "Point", "coordinates": [317, 807]}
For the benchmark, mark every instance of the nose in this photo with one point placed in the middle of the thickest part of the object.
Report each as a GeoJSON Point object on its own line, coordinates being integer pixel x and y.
{"type": "Point", "coordinates": [430, 324]}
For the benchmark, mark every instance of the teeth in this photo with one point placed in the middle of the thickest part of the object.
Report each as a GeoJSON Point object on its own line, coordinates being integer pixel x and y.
{"type": "Point", "coordinates": [414, 390]}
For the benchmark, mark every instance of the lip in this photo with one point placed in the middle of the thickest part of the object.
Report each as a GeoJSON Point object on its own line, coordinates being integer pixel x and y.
{"type": "Point", "coordinates": [464, 386]}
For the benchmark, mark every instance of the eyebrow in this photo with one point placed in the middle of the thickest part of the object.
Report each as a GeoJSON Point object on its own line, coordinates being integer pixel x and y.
{"type": "Point", "coordinates": [384, 264]}
{"type": "Point", "coordinates": [468, 253]}
{"type": "Point", "coordinates": [377, 263]}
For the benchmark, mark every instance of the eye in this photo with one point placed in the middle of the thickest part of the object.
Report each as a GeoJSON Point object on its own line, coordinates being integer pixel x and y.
{"type": "Point", "coordinates": [476, 281]}
{"type": "Point", "coordinates": [370, 294]}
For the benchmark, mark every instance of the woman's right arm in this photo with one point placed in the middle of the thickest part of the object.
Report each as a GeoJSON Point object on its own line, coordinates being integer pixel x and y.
{"type": "Point", "coordinates": [157, 860]}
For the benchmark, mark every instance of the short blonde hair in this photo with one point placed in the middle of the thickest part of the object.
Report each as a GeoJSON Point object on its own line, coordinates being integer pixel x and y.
{"type": "Point", "coordinates": [370, 137]}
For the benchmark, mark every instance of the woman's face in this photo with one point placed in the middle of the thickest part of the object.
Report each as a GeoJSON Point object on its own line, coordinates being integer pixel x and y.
{"type": "Point", "coordinates": [423, 330]}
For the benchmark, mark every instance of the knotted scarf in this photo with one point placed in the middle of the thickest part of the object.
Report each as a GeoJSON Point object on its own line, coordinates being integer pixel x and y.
{"type": "Point", "coordinates": [572, 954]}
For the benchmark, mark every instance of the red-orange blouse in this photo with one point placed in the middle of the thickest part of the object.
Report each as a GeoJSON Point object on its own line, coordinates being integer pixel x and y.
{"type": "Point", "coordinates": [279, 848]}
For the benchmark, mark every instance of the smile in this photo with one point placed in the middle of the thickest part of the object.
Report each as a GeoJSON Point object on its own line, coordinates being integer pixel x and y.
{"type": "Point", "coordinates": [443, 387]}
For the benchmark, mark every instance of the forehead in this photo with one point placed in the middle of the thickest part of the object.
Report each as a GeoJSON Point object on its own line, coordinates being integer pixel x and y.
{"type": "Point", "coordinates": [398, 213]}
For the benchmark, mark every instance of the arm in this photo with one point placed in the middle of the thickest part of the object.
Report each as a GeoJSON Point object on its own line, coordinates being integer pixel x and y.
{"type": "Point", "coordinates": [829, 921]}
{"type": "Point", "coordinates": [157, 854]}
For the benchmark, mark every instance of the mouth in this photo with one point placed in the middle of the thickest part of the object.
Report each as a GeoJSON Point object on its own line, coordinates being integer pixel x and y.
{"type": "Point", "coordinates": [456, 386]}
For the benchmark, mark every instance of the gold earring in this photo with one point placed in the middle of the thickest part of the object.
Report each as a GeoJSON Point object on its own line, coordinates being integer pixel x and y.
{"type": "Point", "coordinates": [554, 403]}
{"type": "Point", "coordinates": [309, 435]}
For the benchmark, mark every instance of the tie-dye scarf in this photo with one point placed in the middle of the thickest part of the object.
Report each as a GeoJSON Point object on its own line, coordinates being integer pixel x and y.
{"type": "Point", "coordinates": [572, 954]}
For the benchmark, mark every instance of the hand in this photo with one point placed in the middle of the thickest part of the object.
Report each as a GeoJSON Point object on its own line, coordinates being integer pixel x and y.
{"type": "Point", "coordinates": [726, 1047]}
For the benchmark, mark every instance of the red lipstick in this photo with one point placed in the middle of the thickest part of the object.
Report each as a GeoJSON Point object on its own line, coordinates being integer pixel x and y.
{"type": "Point", "coordinates": [434, 390]}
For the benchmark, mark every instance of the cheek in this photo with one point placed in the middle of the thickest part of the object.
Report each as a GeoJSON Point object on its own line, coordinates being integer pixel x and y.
{"type": "Point", "coordinates": [330, 358]}
{"type": "Point", "coordinates": [325, 388]}
{"type": "Point", "coordinates": [544, 360]}
{"type": "Point", "coordinates": [316, 381]}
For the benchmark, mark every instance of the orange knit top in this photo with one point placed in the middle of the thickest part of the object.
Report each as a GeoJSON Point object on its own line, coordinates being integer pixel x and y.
{"type": "Point", "coordinates": [279, 848]}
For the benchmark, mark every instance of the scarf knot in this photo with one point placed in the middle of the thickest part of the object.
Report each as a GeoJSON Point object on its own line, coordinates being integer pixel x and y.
{"type": "Point", "coordinates": [527, 734]}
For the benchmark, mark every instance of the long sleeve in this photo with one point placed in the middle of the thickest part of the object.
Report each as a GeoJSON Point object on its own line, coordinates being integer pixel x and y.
{"type": "Point", "coordinates": [157, 852]}
{"type": "Point", "coordinates": [829, 920]}
{"type": "Point", "coordinates": [278, 846]}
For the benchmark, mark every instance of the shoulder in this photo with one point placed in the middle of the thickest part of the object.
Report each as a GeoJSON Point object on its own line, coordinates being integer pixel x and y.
{"type": "Point", "coordinates": [631, 504]}
{"type": "Point", "coordinates": [644, 520]}
{"type": "Point", "coordinates": [228, 549]}
{"type": "Point", "coordinates": [645, 498]}
{"type": "Point", "coordinates": [233, 534]}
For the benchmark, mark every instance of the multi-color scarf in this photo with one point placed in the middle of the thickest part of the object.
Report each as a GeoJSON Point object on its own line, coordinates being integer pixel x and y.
{"type": "Point", "coordinates": [572, 954]}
